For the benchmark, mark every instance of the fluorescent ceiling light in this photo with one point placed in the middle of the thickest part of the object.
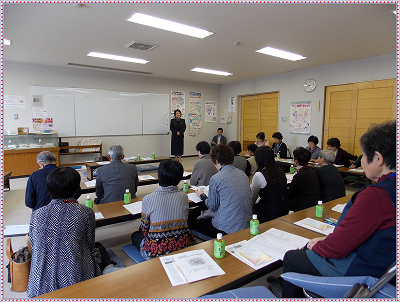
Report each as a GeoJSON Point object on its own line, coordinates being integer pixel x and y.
{"type": "Point", "coordinates": [280, 54]}
{"type": "Point", "coordinates": [117, 58]}
{"type": "Point", "coordinates": [223, 73]}
{"type": "Point", "coordinates": [168, 25]}
{"type": "Point", "coordinates": [7, 42]}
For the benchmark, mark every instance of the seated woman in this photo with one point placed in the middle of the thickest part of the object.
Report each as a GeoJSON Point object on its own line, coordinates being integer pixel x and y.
{"type": "Point", "coordinates": [261, 140]}
{"type": "Point", "coordinates": [364, 241]}
{"type": "Point", "coordinates": [331, 181]}
{"type": "Point", "coordinates": [313, 148]}
{"type": "Point", "coordinates": [270, 183]}
{"type": "Point", "coordinates": [239, 161]}
{"type": "Point", "coordinates": [342, 156]}
{"type": "Point", "coordinates": [165, 213]}
{"type": "Point", "coordinates": [278, 146]}
{"type": "Point", "coordinates": [62, 237]}
{"type": "Point", "coordinates": [304, 189]}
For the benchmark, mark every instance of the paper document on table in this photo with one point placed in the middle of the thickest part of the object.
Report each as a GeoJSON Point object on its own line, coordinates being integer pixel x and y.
{"type": "Point", "coordinates": [98, 215]}
{"type": "Point", "coordinates": [14, 230]}
{"type": "Point", "coordinates": [193, 197]}
{"type": "Point", "coordinates": [204, 188]}
{"type": "Point", "coordinates": [289, 178]}
{"type": "Point", "coordinates": [146, 158]}
{"type": "Point", "coordinates": [339, 207]}
{"type": "Point", "coordinates": [132, 158]}
{"type": "Point", "coordinates": [276, 243]}
{"type": "Point", "coordinates": [316, 226]}
{"type": "Point", "coordinates": [191, 266]}
{"type": "Point", "coordinates": [134, 207]}
{"type": "Point", "coordinates": [249, 254]}
{"type": "Point", "coordinates": [357, 170]}
{"type": "Point", "coordinates": [146, 177]}
{"type": "Point", "coordinates": [102, 162]}
{"type": "Point", "coordinates": [90, 184]}
{"type": "Point", "coordinates": [338, 166]}
{"type": "Point", "coordinates": [186, 174]}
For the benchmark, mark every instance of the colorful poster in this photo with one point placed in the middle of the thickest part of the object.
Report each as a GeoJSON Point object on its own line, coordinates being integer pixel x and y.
{"type": "Point", "coordinates": [41, 124]}
{"type": "Point", "coordinates": [223, 116]}
{"type": "Point", "coordinates": [210, 112]}
{"type": "Point", "coordinates": [195, 105]}
{"type": "Point", "coordinates": [178, 101]}
{"type": "Point", "coordinates": [300, 117]}
{"type": "Point", "coordinates": [232, 104]}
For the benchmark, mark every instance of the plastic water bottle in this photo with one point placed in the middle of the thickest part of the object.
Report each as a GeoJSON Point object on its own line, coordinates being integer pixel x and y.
{"type": "Point", "coordinates": [138, 157]}
{"type": "Point", "coordinates": [219, 247]}
{"type": "Point", "coordinates": [319, 209]}
{"type": "Point", "coordinates": [127, 197]}
{"type": "Point", "coordinates": [89, 202]}
{"type": "Point", "coordinates": [254, 225]}
{"type": "Point", "coordinates": [291, 169]}
{"type": "Point", "coordinates": [185, 186]}
{"type": "Point", "coordinates": [153, 156]}
{"type": "Point", "coordinates": [278, 155]}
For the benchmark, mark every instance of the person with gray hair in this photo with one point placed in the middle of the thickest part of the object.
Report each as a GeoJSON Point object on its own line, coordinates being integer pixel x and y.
{"type": "Point", "coordinates": [36, 194]}
{"type": "Point", "coordinates": [330, 180]}
{"type": "Point", "coordinates": [113, 179]}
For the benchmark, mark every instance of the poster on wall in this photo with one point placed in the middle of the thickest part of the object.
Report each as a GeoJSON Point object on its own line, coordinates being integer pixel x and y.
{"type": "Point", "coordinates": [210, 112]}
{"type": "Point", "coordinates": [42, 124]}
{"type": "Point", "coordinates": [195, 105]}
{"type": "Point", "coordinates": [14, 102]}
{"type": "Point", "coordinates": [232, 104]}
{"type": "Point", "coordinates": [223, 116]}
{"type": "Point", "coordinates": [178, 101]}
{"type": "Point", "coordinates": [300, 117]}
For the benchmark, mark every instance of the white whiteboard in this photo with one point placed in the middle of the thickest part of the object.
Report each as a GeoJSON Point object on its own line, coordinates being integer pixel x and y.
{"type": "Point", "coordinates": [59, 103]}
{"type": "Point", "coordinates": [92, 112]}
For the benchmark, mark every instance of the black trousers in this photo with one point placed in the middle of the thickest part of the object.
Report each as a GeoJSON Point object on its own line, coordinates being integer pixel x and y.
{"type": "Point", "coordinates": [137, 238]}
{"type": "Point", "coordinates": [205, 227]}
{"type": "Point", "coordinates": [298, 262]}
{"type": "Point", "coordinates": [105, 259]}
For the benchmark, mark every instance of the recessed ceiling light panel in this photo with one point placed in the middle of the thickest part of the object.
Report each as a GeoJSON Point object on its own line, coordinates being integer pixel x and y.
{"type": "Point", "coordinates": [280, 54]}
{"type": "Point", "coordinates": [117, 58]}
{"type": "Point", "coordinates": [168, 25]}
{"type": "Point", "coordinates": [217, 72]}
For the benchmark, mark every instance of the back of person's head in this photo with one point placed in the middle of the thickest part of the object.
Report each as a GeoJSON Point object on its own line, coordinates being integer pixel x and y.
{"type": "Point", "coordinates": [236, 146]}
{"type": "Point", "coordinates": [302, 155]}
{"type": "Point", "coordinates": [170, 173]}
{"type": "Point", "coordinates": [265, 161]}
{"type": "Point", "coordinates": [252, 147]}
{"type": "Point", "coordinates": [203, 147]}
{"type": "Point", "coordinates": [380, 138]}
{"type": "Point", "coordinates": [220, 129]}
{"type": "Point", "coordinates": [63, 182]}
{"type": "Point", "coordinates": [329, 156]}
{"type": "Point", "coordinates": [260, 135]}
{"type": "Point", "coordinates": [333, 142]}
{"type": "Point", "coordinates": [46, 157]}
{"type": "Point", "coordinates": [313, 139]}
{"type": "Point", "coordinates": [116, 152]}
{"type": "Point", "coordinates": [223, 154]}
{"type": "Point", "coordinates": [277, 135]}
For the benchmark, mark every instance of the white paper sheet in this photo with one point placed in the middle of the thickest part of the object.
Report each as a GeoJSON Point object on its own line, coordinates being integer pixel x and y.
{"type": "Point", "coordinates": [185, 173]}
{"type": "Point", "coordinates": [357, 170]}
{"type": "Point", "coordinates": [193, 197]}
{"type": "Point", "coordinates": [191, 266]}
{"type": "Point", "coordinates": [102, 162]}
{"type": "Point", "coordinates": [98, 215]}
{"type": "Point", "coordinates": [134, 207]}
{"type": "Point", "coordinates": [11, 230]}
{"type": "Point", "coordinates": [338, 166]}
{"type": "Point", "coordinates": [90, 184]}
{"type": "Point", "coordinates": [146, 177]}
{"type": "Point", "coordinates": [316, 226]}
{"type": "Point", "coordinates": [339, 207]}
{"type": "Point", "coordinates": [289, 178]}
{"type": "Point", "coordinates": [146, 158]}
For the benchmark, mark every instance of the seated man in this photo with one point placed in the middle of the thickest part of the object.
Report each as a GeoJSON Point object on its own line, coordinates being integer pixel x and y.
{"type": "Point", "coordinates": [304, 189]}
{"type": "Point", "coordinates": [113, 179]}
{"type": "Point", "coordinates": [342, 156]}
{"type": "Point", "coordinates": [203, 169]}
{"type": "Point", "coordinates": [278, 146]}
{"type": "Point", "coordinates": [219, 138]}
{"type": "Point", "coordinates": [229, 196]}
{"type": "Point", "coordinates": [36, 195]}
{"type": "Point", "coordinates": [239, 161]}
{"type": "Point", "coordinates": [331, 182]}
{"type": "Point", "coordinates": [364, 241]}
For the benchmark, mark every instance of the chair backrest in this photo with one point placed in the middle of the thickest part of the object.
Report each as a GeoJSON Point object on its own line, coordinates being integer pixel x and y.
{"type": "Point", "coordinates": [390, 273]}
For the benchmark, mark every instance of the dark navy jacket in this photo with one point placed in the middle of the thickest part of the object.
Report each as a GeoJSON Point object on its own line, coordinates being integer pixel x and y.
{"type": "Point", "coordinates": [36, 195]}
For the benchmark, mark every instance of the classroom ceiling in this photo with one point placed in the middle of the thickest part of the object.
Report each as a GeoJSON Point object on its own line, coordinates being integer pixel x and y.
{"type": "Point", "coordinates": [58, 34]}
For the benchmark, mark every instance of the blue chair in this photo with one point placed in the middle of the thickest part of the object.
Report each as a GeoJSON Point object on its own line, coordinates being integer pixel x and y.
{"type": "Point", "coordinates": [133, 253]}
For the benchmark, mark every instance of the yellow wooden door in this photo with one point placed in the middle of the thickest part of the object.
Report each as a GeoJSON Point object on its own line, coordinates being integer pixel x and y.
{"type": "Point", "coordinates": [259, 114]}
{"type": "Point", "coordinates": [351, 109]}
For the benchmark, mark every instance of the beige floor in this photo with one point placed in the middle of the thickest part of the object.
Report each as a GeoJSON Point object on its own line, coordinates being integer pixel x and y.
{"type": "Point", "coordinates": [112, 237]}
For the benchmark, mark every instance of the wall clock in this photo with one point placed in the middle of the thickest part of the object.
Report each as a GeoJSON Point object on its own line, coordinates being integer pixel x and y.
{"type": "Point", "coordinates": [309, 85]}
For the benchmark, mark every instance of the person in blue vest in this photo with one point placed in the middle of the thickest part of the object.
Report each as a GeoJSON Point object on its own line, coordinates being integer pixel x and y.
{"type": "Point", "coordinates": [364, 241]}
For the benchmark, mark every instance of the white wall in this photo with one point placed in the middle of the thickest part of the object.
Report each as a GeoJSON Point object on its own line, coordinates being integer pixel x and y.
{"type": "Point", "coordinates": [18, 78]}
{"type": "Point", "coordinates": [290, 88]}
